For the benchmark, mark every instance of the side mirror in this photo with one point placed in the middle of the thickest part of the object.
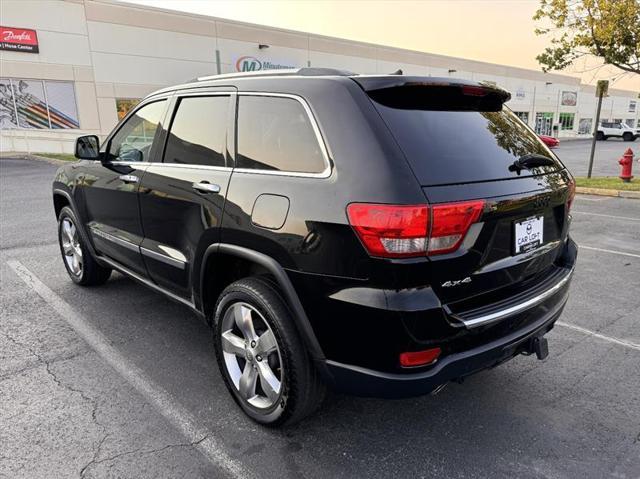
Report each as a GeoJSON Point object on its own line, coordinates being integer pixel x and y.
{"type": "Point", "coordinates": [88, 147]}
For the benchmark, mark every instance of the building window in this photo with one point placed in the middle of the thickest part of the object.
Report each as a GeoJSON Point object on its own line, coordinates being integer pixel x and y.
{"type": "Point", "coordinates": [566, 121]}
{"type": "Point", "coordinates": [543, 123]}
{"type": "Point", "coordinates": [617, 121]}
{"type": "Point", "coordinates": [123, 105]}
{"type": "Point", "coordinates": [523, 115]}
{"type": "Point", "coordinates": [584, 126]}
{"type": "Point", "coordinates": [37, 104]}
{"type": "Point", "coordinates": [630, 122]}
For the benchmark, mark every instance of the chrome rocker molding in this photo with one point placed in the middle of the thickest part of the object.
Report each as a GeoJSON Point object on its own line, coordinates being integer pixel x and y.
{"type": "Point", "coordinates": [163, 258]}
{"type": "Point", "coordinates": [114, 239]}
{"type": "Point", "coordinates": [518, 308]}
{"type": "Point", "coordinates": [177, 263]}
{"type": "Point", "coordinates": [146, 282]}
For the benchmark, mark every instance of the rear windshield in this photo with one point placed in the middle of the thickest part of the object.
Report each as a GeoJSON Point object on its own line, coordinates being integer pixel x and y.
{"type": "Point", "coordinates": [449, 147]}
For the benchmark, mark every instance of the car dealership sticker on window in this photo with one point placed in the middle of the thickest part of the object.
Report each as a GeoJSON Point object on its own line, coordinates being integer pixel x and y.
{"type": "Point", "coordinates": [252, 64]}
{"type": "Point", "coordinates": [19, 40]}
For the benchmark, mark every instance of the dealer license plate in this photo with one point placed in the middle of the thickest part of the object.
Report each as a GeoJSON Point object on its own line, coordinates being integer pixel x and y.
{"type": "Point", "coordinates": [529, 234]}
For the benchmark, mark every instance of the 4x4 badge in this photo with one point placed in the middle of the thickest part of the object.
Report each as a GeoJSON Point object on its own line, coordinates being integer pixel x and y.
{"type": "Point", "coordinates": [448, 284]}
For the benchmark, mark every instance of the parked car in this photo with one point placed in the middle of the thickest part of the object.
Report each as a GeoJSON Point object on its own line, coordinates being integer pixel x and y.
{"type": "Point", "coordinates": [332, 228]}
{"type": "Point", "coordinates": [550, 141]}
{"type": "Point", "coordinates": [608, 130]}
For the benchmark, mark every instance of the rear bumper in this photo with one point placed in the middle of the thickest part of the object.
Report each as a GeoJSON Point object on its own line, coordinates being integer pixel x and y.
{"type": "Point", "coordinates": [360, 381]}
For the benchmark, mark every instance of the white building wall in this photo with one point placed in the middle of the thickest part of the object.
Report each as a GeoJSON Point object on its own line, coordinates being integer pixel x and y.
{"type": "Point", "coordinates": [114, 51]}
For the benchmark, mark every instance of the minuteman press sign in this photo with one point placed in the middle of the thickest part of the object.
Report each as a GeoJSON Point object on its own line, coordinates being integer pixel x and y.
{"type": "Point", "coordinates": [18, 40]}
{"type": "Point", "coordinates": [252, 64]}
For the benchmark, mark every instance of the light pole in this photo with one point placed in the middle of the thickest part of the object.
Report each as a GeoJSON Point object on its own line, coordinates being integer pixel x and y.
{"type": "Point", "coordinates": [601, 90]}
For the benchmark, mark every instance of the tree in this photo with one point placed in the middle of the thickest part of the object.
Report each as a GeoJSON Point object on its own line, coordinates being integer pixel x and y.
{"type": "Point", "coordinates": [608, 29]}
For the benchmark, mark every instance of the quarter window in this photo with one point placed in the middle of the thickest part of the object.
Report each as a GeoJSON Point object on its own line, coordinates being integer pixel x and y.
{"type": "Point", "coordinates": [134, 139]}
{"type": "Point", "coordinates": [275, 133]}
{"type": "Point", "coordinates": [198, 131]}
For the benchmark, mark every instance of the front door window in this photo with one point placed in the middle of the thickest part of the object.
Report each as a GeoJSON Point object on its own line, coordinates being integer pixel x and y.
{"type": "Point", "coordinates": [134, 139]}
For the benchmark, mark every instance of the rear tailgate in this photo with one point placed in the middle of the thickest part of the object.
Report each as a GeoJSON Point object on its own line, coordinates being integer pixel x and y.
{"type": "Point", "coordinates": [490, 256]}
{"type": "Point", "coordinates": [463, 144]}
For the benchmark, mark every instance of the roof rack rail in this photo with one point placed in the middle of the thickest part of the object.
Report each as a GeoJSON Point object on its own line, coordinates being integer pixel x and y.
{"type": "Point", "coordinates": [305, 71]}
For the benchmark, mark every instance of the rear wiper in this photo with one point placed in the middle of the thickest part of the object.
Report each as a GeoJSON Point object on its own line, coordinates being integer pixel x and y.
{"type": "Point", "coordinates": [530, 161]}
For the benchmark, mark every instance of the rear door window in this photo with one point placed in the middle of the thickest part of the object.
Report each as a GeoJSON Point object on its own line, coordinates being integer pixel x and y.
{"type": "Point", "coordinates": [198, 131]}
{"type": "Point", "coordinates": [276, 133]}
{"type": "Point", "coordinates": [461, 146]}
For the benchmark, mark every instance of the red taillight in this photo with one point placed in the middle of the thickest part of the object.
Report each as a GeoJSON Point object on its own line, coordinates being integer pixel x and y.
{"type": "Point", "coordinates": [399, 231]}
{"type": "Point", "coordinates": [572, 194]}
{"type": "Point", "coordinates": [419, 358]}
{"type": "Point", "coordinates": [390, 231]}
{"type": "Point", "coordinates": [450, 223]}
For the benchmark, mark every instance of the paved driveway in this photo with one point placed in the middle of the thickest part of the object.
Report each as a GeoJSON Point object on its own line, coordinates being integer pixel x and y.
{"type": "Point", "coordinates": [118, 381]}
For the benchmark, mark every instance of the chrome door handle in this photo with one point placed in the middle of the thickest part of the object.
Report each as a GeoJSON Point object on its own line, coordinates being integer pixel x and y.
{"type": "Point", "coordinates": [129, 178]}
{"type": "Point", "coordinates": [204, 187]}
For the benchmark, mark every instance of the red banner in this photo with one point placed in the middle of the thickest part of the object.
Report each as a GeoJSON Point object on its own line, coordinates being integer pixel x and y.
{"type": "Point", "coordinates": [18, 40]}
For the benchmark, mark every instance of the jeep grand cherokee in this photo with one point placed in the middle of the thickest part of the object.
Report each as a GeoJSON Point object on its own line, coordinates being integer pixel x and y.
{"type": "Point", "coordinates": [332, 228]}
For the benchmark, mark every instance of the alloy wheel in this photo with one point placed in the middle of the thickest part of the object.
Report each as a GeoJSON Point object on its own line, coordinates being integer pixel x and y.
{"type": "Point", "coordinates": [251, 356]}
{"type": "Point", "coordinates": [71, 246]}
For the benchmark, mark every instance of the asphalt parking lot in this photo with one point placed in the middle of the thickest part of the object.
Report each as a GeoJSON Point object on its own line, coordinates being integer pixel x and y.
{"type": "Point", "coordinates": [118, 381]}
{"type": "Point", "coordinates": [575, 154]}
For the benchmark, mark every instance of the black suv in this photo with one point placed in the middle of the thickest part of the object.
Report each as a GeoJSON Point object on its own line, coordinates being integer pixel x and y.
{"type": "Point", "coordinates": [379, 235]}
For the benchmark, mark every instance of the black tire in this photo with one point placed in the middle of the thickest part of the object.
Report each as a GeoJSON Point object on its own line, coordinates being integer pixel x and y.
{"type": "Point", "coordinates": [90, 272]}
{"type": "Point", "coordinates": [301, 389]}
{"type": "Point", "coordinates": [600, 136]}
{"type": "Point", "coordinates": [628, 136]}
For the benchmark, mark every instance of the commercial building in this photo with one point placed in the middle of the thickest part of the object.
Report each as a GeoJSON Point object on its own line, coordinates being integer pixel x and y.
{"type": "Point", "coordinates": [72, 67]}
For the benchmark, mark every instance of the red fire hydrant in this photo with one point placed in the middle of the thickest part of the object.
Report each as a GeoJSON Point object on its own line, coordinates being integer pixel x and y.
{"type": "Point", "coordinates": [626, 162]}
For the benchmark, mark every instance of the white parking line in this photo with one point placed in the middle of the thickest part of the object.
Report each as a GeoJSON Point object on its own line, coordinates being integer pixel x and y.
{"type": "Point", "coordinates": [164, 403]}
{"type": "Point", "coordinates": [620, 342]}
{"type": "Point", "coordinates": [602, 250]}
{"type": "Point", "coordinates": [627, 218]}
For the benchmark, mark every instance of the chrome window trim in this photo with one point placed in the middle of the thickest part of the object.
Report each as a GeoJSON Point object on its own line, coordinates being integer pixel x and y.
{"type": "Point", "coordinates": [163, 258]}
{"type": "Point", "coordinates": [191, 166]}
{"type": "Point", "coordinates": [314, 126]}
{"type": "Point", "coordinates": [498, 315]}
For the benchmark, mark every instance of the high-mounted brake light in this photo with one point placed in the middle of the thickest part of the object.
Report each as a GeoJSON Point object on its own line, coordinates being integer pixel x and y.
{"type": "Point", "coordinates": [471, 90]}
{"type": "Point", "coordinates": [401, 231]}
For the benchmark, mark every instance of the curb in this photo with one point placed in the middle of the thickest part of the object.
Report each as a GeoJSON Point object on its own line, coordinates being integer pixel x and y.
{"type": "Point", "coordinates": [28, 156]}
{"type": "Point", "coordinates": [606, 192]}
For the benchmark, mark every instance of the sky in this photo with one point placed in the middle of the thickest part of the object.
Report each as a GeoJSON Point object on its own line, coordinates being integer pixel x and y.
{"type": "Point", "coordinates": [496, 31]}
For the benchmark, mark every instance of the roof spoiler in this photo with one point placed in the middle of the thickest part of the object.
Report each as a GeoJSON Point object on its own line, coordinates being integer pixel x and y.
{"type": "Point", "coordinates": [433, 93]}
